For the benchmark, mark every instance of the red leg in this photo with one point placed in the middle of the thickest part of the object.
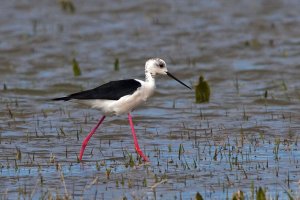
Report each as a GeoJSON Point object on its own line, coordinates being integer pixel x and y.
{"type": "Point", "coordinates": [86, 140]}
{"type": "Point", "coordinates": [136, 144]}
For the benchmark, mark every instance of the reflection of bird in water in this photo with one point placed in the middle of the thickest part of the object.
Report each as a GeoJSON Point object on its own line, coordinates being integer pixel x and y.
{"type": "Point", "coordinates": [202, 91]}
{"type": "Point", "coordinates": [120, 97]}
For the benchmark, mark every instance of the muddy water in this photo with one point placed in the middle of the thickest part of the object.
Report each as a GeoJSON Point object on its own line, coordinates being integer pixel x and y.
{"type": "Point", "coordinates": [239, 141]}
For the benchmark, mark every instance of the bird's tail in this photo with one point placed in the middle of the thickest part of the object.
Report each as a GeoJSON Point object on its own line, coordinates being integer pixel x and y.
{"type": "Point", "coordinates": [61, 99]}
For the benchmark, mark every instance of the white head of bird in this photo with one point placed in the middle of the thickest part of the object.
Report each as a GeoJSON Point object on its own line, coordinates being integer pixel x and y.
{"type": "Point", "coordinates": [155, 66]}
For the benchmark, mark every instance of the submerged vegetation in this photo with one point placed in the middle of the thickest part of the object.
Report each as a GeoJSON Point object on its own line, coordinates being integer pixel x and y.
{"type": "Point", "coordinates": [67, 6]}
{"type": "Point", "coordinates": [76, 69]}
{"type": "Point", "coordinates": [116, 65]}
{"type": "Point", "coordinates": [202, 91]}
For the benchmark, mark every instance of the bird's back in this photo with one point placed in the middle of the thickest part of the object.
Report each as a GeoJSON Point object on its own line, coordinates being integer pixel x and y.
{"type": "Point", "coordinates": [112, 90]}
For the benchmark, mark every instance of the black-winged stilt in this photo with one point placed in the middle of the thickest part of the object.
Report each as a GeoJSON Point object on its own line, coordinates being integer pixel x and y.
{"type": "Point", "coordinates": [120, 97]}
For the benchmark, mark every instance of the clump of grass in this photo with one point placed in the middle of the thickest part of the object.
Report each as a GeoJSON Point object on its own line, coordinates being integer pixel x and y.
{"type": "Point", "coordinates": [266, 94]}
{"type": "Point", "coordinates": [67, 6]}
{"type": "Point", "coordinates": [202, 91]}
{"type": "Point", "coordinates": [10, 113]}
{"type": "Point", "coordinates": [116, 65]}
{"type": "Point", "coordinates": [107, 172]}
{"type": "Point", "coordinates": [276, 148]}
{"type": "Point", "coordinates": [239, 195]}
{"type": "Point", "coordinates": [52, 158]}
{"type": "Point", "coordinates": [16, 165]}
{"type": "Point", "coordinates": [18, 154]}
{"type": "Point", "coordinates": [145, 182]}
{"type": "Point", "coordinates": [237, 85]}
{"type": "Point", "coordinates": [41, 180]}
{"type": "Point", "coordinates": [131, 160]}
{"type": "Point", "coordinates": [66, 151]}
{"type": "Point", "coordinates": [76, 69]}
{"type": "Point", "coordinates": [253, 43]}
{"type": "Point", "coordinates": [97, 166]}
{"type": "Point", "coordinates": [180, 151]}
{"type": "Point", "coordinates": [122, 181]}
{"type": "Point", "coordinates": [198, 196]}
{"type": "Point", "coordinates": [261, 194]}
{"type": "Point", "coordinates": [169, 148]}
{"type": "Point", "coordinates": [215, 155]}
{"type": "Point", "coordinates": [62, 131]}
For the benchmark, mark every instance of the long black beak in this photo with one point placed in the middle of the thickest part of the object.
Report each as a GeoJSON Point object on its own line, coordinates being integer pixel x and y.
{"type": "Point", "coordinates": [169, 74]}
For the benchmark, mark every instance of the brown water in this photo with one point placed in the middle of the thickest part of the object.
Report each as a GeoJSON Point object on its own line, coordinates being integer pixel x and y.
{"type": "Point", "coordinates": [238, 141]}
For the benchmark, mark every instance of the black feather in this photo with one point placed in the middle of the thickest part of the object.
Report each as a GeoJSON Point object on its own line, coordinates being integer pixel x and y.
{"type": "Point", "coordinates": [113, 90]}
{"type": "Point", "coordinates": [61, 99]}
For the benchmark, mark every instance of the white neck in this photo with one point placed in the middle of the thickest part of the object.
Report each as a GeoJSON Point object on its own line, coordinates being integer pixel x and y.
{"type": "Point", "coordinates": [149, 77]}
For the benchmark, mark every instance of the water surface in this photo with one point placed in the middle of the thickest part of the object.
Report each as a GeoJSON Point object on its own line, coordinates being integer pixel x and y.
{"type": "Point", "coordinates": [239, 141]}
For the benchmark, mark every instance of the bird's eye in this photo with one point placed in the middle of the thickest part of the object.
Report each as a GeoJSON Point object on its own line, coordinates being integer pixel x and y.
{"type": "Point", "coordinates": [161, 65]}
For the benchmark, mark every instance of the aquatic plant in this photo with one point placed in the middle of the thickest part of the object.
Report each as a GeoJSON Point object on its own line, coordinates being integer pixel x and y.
{"type": "Point", "coordinates": [76, 69]}
{"type": "Point", "coordinates": [67, 6]}
{"type": "Point", "coordinates": [253, 43]}
{"type": "Point", "coordinates": [239, 195]}
{"type": "Point", "coordinates": [116, 65]}
{"type": "Point", "coordinates": [261, 194]}
{"type": "Point", "coordinates": [198, 196]}
{"type": "Point", "coordinates": [202, 91]}
{"type": "Point", "coordinates": [180, 151]}
{"type": "Point", "coordinates": [107, 172]}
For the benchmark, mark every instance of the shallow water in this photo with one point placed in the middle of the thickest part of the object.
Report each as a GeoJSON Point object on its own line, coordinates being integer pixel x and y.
{"type": "Point", "coordinates": [238, 141]}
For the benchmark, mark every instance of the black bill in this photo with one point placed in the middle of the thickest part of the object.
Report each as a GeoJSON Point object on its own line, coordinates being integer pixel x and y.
{"type": "Point", "coordinates": [169, 74]}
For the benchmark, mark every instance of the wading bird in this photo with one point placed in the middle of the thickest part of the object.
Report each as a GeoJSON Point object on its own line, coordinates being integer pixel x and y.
{"type": "Point", "coordinates": [120, 97]}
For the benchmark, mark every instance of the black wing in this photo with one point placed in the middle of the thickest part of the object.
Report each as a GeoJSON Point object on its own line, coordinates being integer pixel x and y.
{"type": "Point", "coordinates": [113, 90]}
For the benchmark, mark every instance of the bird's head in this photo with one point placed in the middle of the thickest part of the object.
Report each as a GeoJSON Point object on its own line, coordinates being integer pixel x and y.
{"type": "Point", "coordinates": [158, 66]}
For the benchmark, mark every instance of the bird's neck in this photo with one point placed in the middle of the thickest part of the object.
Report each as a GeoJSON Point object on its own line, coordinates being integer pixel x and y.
{"type": "Point", "coordinates": [150, 78]}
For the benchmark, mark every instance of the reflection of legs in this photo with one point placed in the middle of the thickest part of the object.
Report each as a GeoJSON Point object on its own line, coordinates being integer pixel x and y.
{"type": "Point", "coordinates": [136, 144]}
{"type": "Point", "coordinates": [88, 137]}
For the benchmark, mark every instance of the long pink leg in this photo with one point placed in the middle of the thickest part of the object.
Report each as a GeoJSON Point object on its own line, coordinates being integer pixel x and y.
{"type": "Point", "coordinates": [136, 144]}
{"type": "Point", "coordinates": [88, 137]}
